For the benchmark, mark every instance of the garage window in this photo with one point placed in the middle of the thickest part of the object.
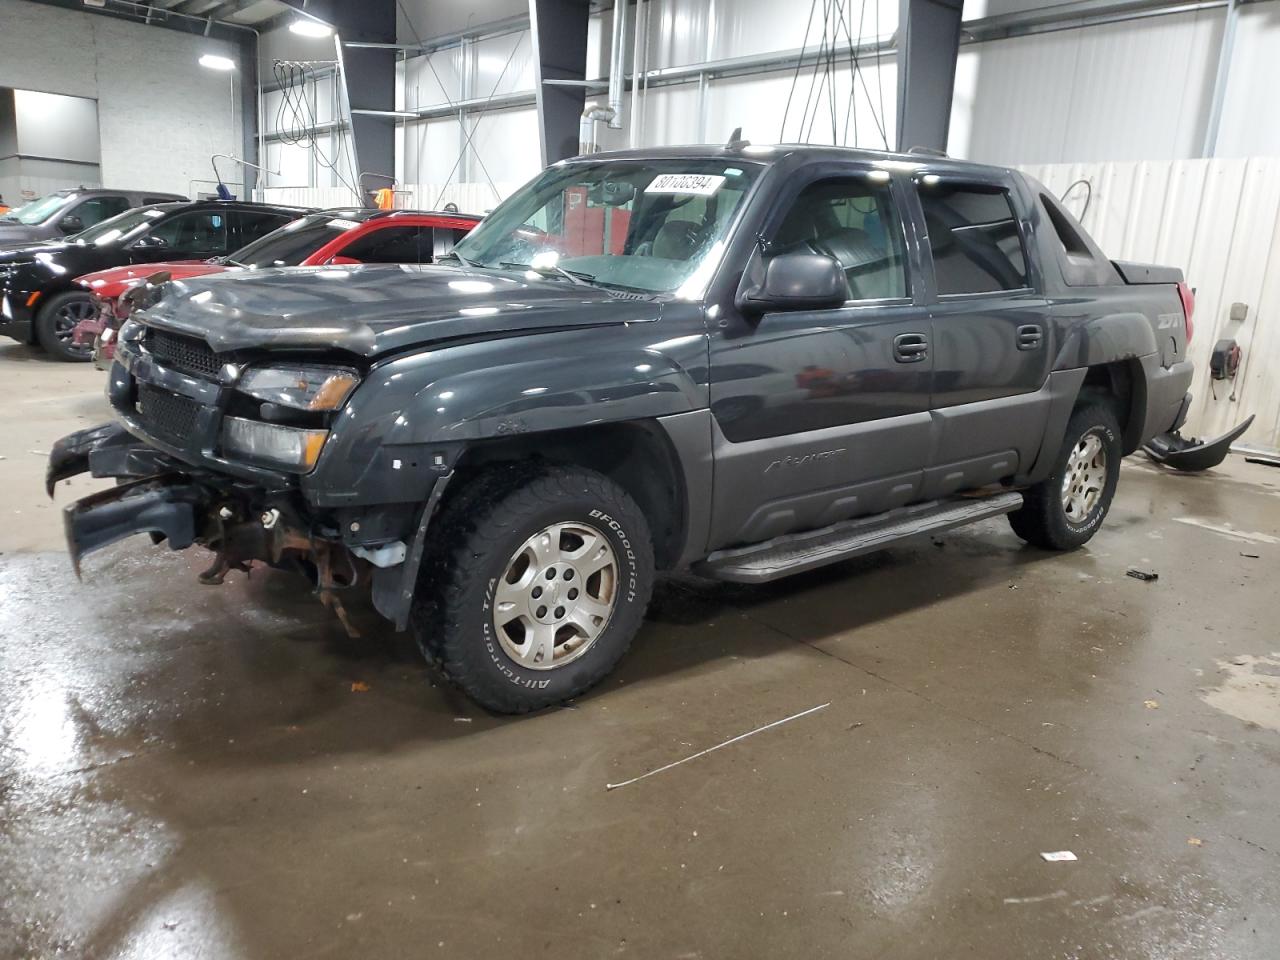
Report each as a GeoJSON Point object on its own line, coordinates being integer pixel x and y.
{"type": "Point", "coordinates": [974, 238]}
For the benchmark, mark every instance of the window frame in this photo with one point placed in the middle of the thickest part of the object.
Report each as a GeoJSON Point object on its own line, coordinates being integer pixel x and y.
{"type": "Point", "coordinates": [819, 172]}
{"type": "Point", "coordinates": [978, 184]}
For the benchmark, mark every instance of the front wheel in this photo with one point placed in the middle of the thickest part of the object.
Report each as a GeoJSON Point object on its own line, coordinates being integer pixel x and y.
{"type": "Point", "coordinates": [56, 325]}
{"type": "Point", "coordinates": [537, 586]}
{"type": "Point", "coordinates": [1064, 510]}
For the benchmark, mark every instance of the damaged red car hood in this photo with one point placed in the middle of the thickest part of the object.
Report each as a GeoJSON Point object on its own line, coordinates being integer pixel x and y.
{"type": "Point", "coordinates": [369, 310]}
{"type": "Point", "coordinates": [111, 283]}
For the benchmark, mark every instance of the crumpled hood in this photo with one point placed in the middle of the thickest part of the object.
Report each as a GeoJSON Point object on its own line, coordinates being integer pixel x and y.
{"type": "Point", "coordinates": [369, 310]}
{"type": "Point", "coordinates": [110, 283]}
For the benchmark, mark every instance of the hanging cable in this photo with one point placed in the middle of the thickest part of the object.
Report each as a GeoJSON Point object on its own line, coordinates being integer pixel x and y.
{"type": "Point", "coordinates": [1088, 196]}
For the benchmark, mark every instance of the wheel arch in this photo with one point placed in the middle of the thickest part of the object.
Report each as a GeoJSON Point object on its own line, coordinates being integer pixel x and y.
{"type": "Point", "coordinates": [637, 455]}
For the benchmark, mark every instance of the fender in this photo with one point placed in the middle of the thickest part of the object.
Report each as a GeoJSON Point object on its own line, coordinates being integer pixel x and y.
{"type": "Point", "coordinates": [416, 413]}
{"type": "Point", "coordinates": [1107, 338]}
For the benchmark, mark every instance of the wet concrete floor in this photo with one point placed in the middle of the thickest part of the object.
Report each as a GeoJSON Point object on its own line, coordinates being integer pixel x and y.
{"type": "Point", "coordinates": [190, 771]}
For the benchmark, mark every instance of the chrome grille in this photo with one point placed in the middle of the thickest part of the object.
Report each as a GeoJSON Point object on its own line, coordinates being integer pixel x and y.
{"type": "Point", "coordinates": [167, 415]}
{"type": "Point", "coordinates": [187, 354]}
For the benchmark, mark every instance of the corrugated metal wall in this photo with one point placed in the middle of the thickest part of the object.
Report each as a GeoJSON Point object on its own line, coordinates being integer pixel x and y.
{"type": "Point", "coordinates": [1219, 220]}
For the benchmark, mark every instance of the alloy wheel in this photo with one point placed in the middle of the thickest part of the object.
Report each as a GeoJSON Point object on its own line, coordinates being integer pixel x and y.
{"type": "Point", "coordinates": [556, 595]}
{"type": "Point", "coordinates": [1084, 479]}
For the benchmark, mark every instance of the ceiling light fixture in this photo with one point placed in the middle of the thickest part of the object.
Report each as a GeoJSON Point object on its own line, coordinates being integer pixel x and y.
{"type": "Point", "coordinates": [215, 62]}
{"type": "Point", "coordinates": [310, 28]}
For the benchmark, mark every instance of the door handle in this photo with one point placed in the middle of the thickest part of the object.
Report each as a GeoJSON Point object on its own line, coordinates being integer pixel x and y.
{"type": "Point", "coordinates": [1029, 337]}
{"type": "Point", "coordinates": [910, 347]}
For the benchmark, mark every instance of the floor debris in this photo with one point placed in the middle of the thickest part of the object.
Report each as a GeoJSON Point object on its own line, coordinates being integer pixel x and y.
{"type": "Point", "coordinates": [359, 686]}
{"type": "Point", "coordinates": [1146, 576]}
{"type": "Point", "coordinates": [1151, 704]}
{"type": "Point", "coordinates": [1058, 856]}
{"type": "Point", "coordinates": [731, 740]}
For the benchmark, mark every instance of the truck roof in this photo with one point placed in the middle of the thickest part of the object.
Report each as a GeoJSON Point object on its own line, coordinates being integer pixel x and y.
{"type": "Point", "coordinates": [775, 152]}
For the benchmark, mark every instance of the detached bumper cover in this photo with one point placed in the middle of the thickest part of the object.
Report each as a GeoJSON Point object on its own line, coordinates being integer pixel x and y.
{"type": "Point", "coordinates": [1174, 450]}
{"type": "Point", "coordinates": [165, 507]}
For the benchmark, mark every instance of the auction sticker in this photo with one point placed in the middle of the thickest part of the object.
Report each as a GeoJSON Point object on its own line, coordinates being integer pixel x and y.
{"type": "Point", "coordinates": [689, 184]}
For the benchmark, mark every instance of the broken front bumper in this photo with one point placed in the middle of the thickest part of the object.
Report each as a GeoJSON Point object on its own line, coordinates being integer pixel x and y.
{"type": "Point", "coordinates": [176, 503]}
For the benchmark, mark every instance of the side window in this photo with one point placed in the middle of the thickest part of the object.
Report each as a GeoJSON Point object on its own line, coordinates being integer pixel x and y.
{"type": "Point", "coordinates": [249, 225]}
{"type": "Point", "coordinates": [96, 209]}
{"type": "Point", "coordinates": [457, 235]}
{"type": "Point", "coordinates": [974, 238]}
{"type": "Point", "coordinates": [391, 245]}
{"type": "Point", "coordinates": [855, 222]}
{"type": "Point", "coordinates": [201, 233]}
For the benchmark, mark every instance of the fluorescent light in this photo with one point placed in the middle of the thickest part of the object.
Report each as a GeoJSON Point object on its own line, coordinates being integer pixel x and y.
{"type": "Point", "coordinates": [215, 62]}
{"type": "Point", "coordinates": [310, 28]}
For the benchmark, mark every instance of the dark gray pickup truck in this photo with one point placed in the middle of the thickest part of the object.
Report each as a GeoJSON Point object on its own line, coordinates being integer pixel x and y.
{"type": "Point", "coordinates": [750, 361]}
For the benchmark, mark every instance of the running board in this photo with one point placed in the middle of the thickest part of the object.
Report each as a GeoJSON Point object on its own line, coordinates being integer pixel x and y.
{"type": "Point", "coordinates": [797, 552]}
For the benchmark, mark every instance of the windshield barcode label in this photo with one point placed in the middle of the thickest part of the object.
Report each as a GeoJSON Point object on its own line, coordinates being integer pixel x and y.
{"type": "Point", "coordinates": [692, 184]}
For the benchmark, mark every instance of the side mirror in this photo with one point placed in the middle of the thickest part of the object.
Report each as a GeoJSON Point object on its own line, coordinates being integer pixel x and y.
{"type": "Point", "coordinates": [797, 281]}
{"type": "Point", "coordinates": [149, 242]}
{"type": "Point", "coordinates": [70, 224]}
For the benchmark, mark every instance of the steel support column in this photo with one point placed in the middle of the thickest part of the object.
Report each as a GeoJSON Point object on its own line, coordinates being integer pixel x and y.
{"type": "Point", "coordinates": [928, 41]}
{"type": "Point", "coordinates": [371, 80]}
{"type": "Point", "coordinates": [559, 29]}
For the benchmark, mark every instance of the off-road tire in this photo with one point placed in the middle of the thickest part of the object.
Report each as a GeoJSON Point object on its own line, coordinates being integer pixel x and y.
{"type": "Point", "coordinates": [47, 324]}
{"type": "Point", "coordinates": [475, 537]}
{"type": "Point", "coordinates": [1042, 520]}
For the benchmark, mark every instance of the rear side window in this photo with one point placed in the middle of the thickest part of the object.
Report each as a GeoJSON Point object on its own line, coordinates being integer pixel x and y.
{"type": "Point", "coordinates": [974, 238]}
{"type": "Point", "coordinates": [96, 209]}
{"type": "Point", "coordinates": [249, 225]}
{"type": "Point", "coordinates": [392, 245]}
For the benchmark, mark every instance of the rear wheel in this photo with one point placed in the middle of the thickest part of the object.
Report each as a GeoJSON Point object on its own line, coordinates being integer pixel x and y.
{"type": "Point", "coordinates": [1065, 510]}
{"type": "Point", "coordinates": [56, 324]}
{"type": "Point", "coordinates": [538, 584]}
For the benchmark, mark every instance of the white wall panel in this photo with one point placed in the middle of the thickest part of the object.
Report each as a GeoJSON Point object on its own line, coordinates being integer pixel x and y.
{"type": "Point", "coordinates": [1219, 220]}
{"type": "Point", "coordinates": [1137, 90]}
{"type": "Point", "coordinates": [1250, 123]}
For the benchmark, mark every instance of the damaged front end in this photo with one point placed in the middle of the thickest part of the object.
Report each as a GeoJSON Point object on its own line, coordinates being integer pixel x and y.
{"type": "Point", "coordinates": [173, 504]}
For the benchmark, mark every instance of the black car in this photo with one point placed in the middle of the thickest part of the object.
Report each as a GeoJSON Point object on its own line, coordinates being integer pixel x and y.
{"type": "Point", "coordinates": [39, 300]}
{"type": "Point", "coordinates": [751, 361]}
{"type": "Point", "coordinates": [65, 212]}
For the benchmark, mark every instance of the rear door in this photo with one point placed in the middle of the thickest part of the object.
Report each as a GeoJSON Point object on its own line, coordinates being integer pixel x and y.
{"type": "Point", "coordinates": [991, 350]}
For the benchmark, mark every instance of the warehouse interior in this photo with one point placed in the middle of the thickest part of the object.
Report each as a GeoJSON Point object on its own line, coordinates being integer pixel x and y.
{"type": "Point", "coordinates": [942, 734]}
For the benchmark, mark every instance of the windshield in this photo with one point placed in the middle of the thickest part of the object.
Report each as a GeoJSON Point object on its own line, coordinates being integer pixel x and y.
{"type": "Point", "coordinates": [652, 226]}
{"type": "Point", "coordinates": [108, 231]}
{"type": "Point", "coordinates": [292, 243]}
{"type": "Point", "coordinates": [38, 211]}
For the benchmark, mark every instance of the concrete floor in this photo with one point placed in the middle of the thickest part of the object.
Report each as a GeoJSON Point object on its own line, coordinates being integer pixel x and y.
{"type": "Point", "coordinates": [192, 771]}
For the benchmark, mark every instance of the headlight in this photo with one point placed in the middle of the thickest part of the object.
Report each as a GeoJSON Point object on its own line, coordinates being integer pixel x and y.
{"type": "Point", "coordinates": [301, 387]}
{"type": "Point", "coordinates": [293, 448]}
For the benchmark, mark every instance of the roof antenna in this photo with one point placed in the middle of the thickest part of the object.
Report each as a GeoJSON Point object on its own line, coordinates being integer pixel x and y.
{"type": "Point", "coordinates": [735, 140]}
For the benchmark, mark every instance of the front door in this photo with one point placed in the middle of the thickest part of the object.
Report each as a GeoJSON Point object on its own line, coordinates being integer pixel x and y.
{"type": "Point", "coordinates": [991, 349]}
{"type": "Point", "coordinates": [822, 415]}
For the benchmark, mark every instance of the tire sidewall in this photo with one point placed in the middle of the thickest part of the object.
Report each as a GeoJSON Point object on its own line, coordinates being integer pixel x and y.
{"type": "Point", "coordinates": [628, 536]}
{"type": "Point", "coordinates": [1091, 420]}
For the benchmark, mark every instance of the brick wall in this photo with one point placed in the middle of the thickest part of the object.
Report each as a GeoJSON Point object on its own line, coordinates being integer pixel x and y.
{"type": "Point", "coordinates": [160, 114]}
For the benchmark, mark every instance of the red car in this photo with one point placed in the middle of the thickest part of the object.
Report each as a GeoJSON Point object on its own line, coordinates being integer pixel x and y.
{"type": "Point", "coordinates": [346, 236]}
